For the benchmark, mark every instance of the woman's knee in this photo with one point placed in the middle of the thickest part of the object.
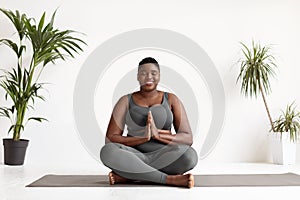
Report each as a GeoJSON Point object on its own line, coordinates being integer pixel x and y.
{"type": "Point", "coordinates": [186, 159]}
{"type": "Point", "coordinates": [189, 158]}
{"type": "Point", "coordinates": [107, 151]}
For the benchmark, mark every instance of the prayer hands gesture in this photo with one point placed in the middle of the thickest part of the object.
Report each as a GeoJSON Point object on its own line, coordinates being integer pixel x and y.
{"type": "Point", "coordinates": [151, 131]}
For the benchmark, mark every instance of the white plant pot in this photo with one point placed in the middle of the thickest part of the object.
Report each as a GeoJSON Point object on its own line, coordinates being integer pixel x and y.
{"type": "Point", "coordinates": [282, 148]}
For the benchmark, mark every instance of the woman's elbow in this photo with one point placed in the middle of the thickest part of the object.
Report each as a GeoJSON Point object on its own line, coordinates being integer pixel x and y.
{"type": "Point", "coordinates": [109, 139]}
{"type": "Point", "coordinates": [189, 140]}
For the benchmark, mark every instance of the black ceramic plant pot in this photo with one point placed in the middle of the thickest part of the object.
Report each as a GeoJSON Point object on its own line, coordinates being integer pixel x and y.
{"type": "Point", "coordinates": [14, 151]}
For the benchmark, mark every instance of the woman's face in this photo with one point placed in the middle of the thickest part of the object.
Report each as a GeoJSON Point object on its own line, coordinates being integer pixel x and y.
{"type": "Point", "coordinates": [148, 76]}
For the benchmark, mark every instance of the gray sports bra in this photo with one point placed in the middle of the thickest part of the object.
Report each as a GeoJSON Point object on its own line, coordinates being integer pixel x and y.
{"type": "Point", "coordinates": [136, 116]}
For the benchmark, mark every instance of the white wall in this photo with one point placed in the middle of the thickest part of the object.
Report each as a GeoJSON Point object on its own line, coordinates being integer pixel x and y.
{"type": "Point", "coordinates": [217, 26]}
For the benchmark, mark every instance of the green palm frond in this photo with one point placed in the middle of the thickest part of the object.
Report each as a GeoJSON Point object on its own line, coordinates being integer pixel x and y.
{"type": "Point", "coordinates": [18, 21]}
{"type": "Point", "coordinates": [255, 69]}
{"type": "Point", "coordinates": [48, 42]}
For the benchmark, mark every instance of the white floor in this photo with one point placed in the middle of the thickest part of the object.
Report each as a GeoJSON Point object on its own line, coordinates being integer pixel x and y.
{"type": "Point", "coordinates": [14, 179]}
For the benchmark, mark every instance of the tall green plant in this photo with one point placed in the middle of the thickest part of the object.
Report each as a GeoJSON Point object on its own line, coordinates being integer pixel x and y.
{"type": "Point", "coordinates": [256, 68]}
{"type": "Point", "coordinates": [48, 44]}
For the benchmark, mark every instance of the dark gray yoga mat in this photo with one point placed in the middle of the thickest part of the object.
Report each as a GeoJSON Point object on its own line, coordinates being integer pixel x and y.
{"type": "Point", "coordinates": [222, 180]}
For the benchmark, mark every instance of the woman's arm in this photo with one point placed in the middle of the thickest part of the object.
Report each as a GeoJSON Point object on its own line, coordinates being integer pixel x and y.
{"type": "Point", "coordinates": [116, 126]}
{"type": "Point", "coordinates": [180, 122]}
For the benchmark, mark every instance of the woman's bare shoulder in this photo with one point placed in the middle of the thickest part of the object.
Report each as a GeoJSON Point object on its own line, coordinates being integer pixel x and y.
{"type": "Point", "coordinates": [124, 97]}
{"type": "Point", "coordinates": [172, 97]}
{"type": "Point", "coordinates": [173, 100]}
{"type": "Point", "coordinates": [123, 100]}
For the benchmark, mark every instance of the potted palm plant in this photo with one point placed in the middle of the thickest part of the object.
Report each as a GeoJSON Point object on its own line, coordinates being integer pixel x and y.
{"type": "Point", "coordinates": [283, 142]}
{"type": "Point", "coordinates": [256, 68]}
{"type": "Point", "coordinates": [44, 44]}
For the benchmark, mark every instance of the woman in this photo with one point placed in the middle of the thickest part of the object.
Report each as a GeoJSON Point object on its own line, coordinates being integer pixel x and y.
{"type": "Point", "coordinates": [149, 152]}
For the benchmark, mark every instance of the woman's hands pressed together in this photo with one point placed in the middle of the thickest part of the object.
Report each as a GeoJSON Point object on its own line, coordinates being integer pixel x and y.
{"type": "Point", "coordinates": [151, 130]}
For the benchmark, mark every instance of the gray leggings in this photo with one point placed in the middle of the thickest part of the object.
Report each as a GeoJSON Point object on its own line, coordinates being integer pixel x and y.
{"type": "Point", "coordinates": [151, 161]}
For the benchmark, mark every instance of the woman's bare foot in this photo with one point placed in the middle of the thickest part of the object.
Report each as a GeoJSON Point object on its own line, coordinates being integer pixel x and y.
{"type": "Point", "coordinates": [186, 180]}
{"type": "Point", "coordinates": [115, 178]}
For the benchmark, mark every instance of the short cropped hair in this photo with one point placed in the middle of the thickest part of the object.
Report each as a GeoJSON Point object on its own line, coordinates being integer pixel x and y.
{"type": "Point", "coordinates": [149, 60]}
